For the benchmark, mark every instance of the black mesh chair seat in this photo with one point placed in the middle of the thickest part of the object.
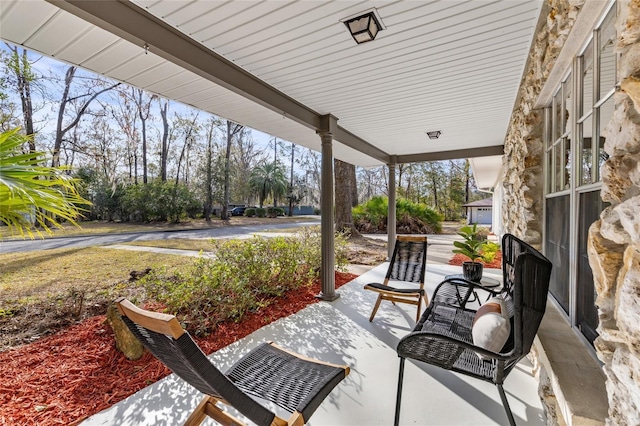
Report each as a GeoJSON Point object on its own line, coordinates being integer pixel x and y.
{"type": "Point", "coordinates": [382, 287]}
{"type": "Point", "coordinates": [443, 335]}
{"type": "Point", "coordinates": [292, 382]}
{"type": "Point", "coordinates": [408, 265]}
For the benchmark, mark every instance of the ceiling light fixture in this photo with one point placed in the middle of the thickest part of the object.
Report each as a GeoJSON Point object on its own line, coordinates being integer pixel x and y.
{"type": "Point", "coordinates": [365, 26]}
{"type": "Point", "coordinates": [435, 134]}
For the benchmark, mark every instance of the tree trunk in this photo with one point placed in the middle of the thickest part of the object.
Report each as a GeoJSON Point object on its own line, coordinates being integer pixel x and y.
{"type": "Point", "coordinates": [293, 154]}
{"type": "Point", "coordinates": [353, 185]}
{"type": "Point", "coordinates": [144, 108]}
{"type": "Point", "coordinates": [164, 149]}
{"type": "Point", "coordinates": [232, 130]}
{"type": "Point", "coordinates": [275, 164]}
{"type": "Point", "coordinates": [21, 69]}
{"type": "Point", "coordinates": [62, 131]}
{"type": "Point", "coordinates": [466, 181]}
{"type": "Point", "coordinates": [209, 175]}
{"type": "Point", "coordinates": [344, 174]}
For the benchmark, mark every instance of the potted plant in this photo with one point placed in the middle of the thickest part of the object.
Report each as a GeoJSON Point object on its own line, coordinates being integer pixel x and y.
{"type": "Point", "coordinates": [475, 247]}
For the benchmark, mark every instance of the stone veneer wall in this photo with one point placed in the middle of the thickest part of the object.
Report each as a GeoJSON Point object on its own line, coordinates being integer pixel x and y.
{"type": "Point", "coordinates": [523, 177]}
{"type": "Point", "coordinates": [523, 173]}
{"type": "Point", "coordinates": [614, 240]}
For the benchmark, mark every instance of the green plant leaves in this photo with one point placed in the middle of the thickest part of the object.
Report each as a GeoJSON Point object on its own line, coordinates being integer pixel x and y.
{"type": "Point", "coordinates": [33, 193]}
{"type": "Point", "coordinates": [475, 246]}
{"type": "Point", "coordinates": [243, 276]}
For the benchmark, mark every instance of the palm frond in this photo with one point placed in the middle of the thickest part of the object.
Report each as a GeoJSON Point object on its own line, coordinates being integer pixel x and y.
{"type": "Point", "coordinates": [33, 193]}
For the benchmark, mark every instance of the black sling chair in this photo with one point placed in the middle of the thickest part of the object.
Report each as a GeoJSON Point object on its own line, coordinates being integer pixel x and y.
{"type": "Point", "coordinates": [294, 383]}
{"type": "Point", "coordinates": [443, 336]}
{"type": "Point", "coordinates": [407, 264]}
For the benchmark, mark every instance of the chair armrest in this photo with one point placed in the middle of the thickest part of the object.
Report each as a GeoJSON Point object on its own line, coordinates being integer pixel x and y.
{"type": "Point", "coordinates": [454, 292]}
{"type": "Point", "coordinates": [428, 345]}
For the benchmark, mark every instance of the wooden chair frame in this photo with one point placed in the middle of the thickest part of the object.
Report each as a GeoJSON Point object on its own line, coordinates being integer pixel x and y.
{"type": "Point", "coordinates": [401, 295]}
{"type": "Point", "coordinates": [189, 362]}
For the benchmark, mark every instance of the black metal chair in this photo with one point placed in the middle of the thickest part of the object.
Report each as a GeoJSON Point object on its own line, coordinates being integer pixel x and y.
{"type": "Point", "coordinates": [294, 383]}
{"type": "Point", "coordinates": [443, 336]}
{"type": "Point", "coordinates": [407, 264]}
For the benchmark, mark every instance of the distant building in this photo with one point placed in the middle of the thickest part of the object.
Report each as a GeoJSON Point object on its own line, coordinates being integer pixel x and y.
{"type": "Point", "coordinates": [480, 211]}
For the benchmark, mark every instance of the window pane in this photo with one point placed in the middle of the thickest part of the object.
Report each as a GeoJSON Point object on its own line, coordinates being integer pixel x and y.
{"type": "Point", "coordinates": [548, 129]}
{"type": "Point", "coordinates": [586, 130]}
{"type": "Point", "coordinates": [607, 55]}
{"type": "Point", "coordinates": [566, 117]}
{"type": "Point", "coordinates": [557, 117]}
{"type": "Point", "coordinates": [567, 162]}
{"type": "Point", "coordinates": [587, 80]}
{"type": "Point", "coordinates": [605, 113]}
{"type": "Point", "coordinates": [559, 167]}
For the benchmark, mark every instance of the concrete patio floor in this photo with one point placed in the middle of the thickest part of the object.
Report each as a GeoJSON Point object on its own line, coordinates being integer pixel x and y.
{"type": "Point", "coordinates": [340, 332]}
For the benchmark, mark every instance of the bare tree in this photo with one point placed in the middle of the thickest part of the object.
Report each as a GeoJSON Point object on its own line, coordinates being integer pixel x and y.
{"type": "Point", "coordinates": [244, 157]}
{"type": "Point", "coordinates": [210, 131]}
{"type": "Point", "coordinates": [83, 101]}
{"type": "Point", "coordinates": [310, 161]}
{"type": "Point", "coordinates": [232, 130]}
{"type": "Point", "coordinates": [143, 105]}
{"type": "Point", "coordinates": [189, 129]}
{"type": "Point", "coordinates": [124, 112]}
{"type": "Point", "coordinates": [164, 146]}
{"type": "Point", "coordinates": [290, 195]}
{"type": "Point", "coordinates": [19, 65]}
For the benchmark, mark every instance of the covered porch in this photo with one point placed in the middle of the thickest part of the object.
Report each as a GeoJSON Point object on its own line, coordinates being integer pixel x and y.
{"type": "Point", "coordinates": [339, 332]}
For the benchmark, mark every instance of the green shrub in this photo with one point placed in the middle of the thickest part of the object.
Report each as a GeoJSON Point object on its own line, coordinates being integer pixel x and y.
{"type": "Point", "coordinates": [275, 211]}
{"type": "Point", "coordinates": [244, 276]}
{"type": "Point", "coordinates": [309, 240]}
{"type": "Point", "coordinates": [371, 216]}
{"type": "Point", "coordinates": [250, 212]}
{"type": "Point", "coordinates": [261, 212]}
{"type": "Point", "coordinates": [159, 200]}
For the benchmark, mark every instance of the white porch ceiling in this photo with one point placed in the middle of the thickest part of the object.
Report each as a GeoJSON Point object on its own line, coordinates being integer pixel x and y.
{"type": "Point", "coordinates": [451, 65]}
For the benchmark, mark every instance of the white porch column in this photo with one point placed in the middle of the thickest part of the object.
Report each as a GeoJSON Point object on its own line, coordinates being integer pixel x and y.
{"type": "Point", "coordinates": [391, 215]}
{"type": "Point", "coordinates": [327, 223]}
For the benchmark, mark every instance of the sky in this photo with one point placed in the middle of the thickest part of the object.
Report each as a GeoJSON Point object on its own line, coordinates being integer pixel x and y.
{"type": "Point", "coordinates": [44, 65]}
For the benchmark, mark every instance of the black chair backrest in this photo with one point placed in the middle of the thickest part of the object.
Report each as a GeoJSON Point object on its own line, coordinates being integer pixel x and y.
{"type": "Point", "coordinates": [409, 259]}
{"type": "Point", "coordinates": [526, 275]}
{"type": "Point", "coordinates": [185, 358]}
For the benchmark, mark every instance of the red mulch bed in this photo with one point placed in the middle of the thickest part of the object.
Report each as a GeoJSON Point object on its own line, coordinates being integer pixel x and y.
{"type": "Point", "coordinates": [457, 259]}
{"type": "Point", "coordinates": [66, 377]}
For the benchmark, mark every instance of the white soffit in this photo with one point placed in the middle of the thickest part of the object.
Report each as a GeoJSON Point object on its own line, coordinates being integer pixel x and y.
{"type": "Point", "coordinates": [486, 171]}
{"type": "Point", "coordinates": [453, 66]}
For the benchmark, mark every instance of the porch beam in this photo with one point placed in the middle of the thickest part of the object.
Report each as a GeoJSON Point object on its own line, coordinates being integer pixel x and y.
{"type": "Point", "coordinates": [347, 138]}
{"type": "Point", "coordinates": [136, 25]}
{"type": "Point", "coordinates": [484, 151]}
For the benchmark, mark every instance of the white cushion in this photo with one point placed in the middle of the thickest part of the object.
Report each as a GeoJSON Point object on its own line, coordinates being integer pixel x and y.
{"type": "Point", "coordinates": [491, 325]}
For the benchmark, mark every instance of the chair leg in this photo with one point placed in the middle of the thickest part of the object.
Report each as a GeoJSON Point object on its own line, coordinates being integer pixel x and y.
{"type": "Point", "coordinates": [503, 396]}
{"type": "Point", "coordinates": [375, 307]}
{"type": "Point", "coordinates": [419, 308]}
{"type": "Point", "coordinates": [396, 420]}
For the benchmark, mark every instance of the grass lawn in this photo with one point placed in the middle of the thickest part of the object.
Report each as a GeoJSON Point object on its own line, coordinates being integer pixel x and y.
{"type": "Point", "coordinates": [103, 227]}
{"type": "Point", "coordinates": [43, 291]}
{"type": "Point", "coordinates": [40, 274]}
{"type": "Point", "coordinates": [177, 244]}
